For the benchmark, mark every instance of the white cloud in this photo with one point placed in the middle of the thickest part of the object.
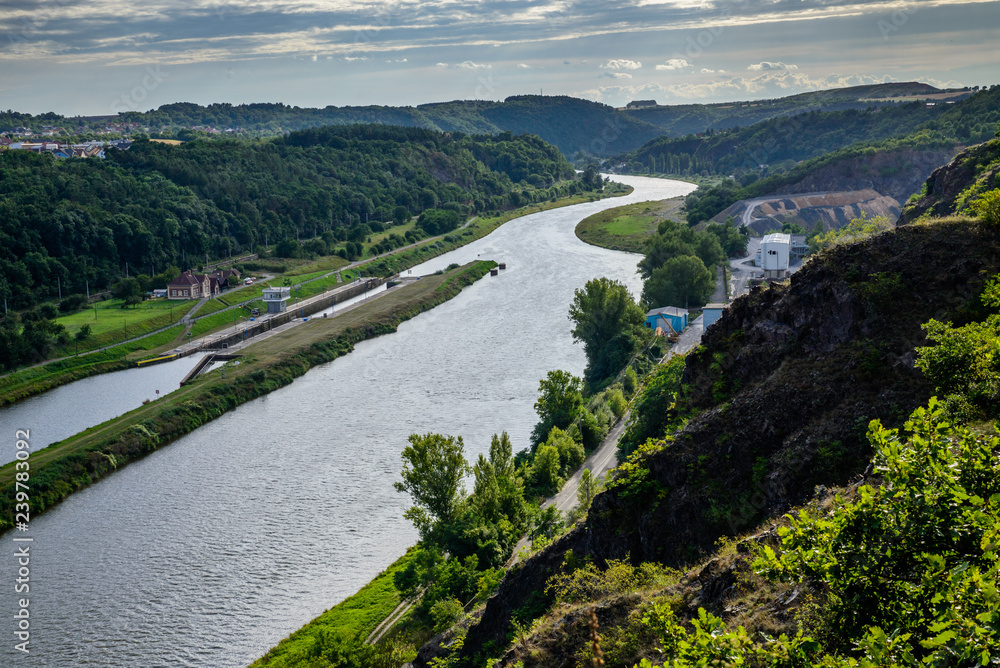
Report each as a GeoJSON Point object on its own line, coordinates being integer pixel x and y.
{"type": "Point", "coordinates": [356, 59]}
{"type": "Point", "coordinates": [674, 64]}
{"type": "Point", "coordinates": [469, 65]}
{"type": "Point", "coordinates": [396, 60]}
{"type": "Point", "coordinates": [617, 75]}
{"type": "Point", "coordinates": [314, 58]}
{"type": "Point", "coordinates": [621, 64]}
{"type": "Point", "coordinates": [523, 66]}
{"type": "Point", "coordinates": [765, 66]}
{"type": "Point", "coordinates": [441, 65]}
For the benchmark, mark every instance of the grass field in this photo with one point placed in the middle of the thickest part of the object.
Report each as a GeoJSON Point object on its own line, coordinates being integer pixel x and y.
{"type": "Point", "coordinates": [110, 323]}
{"type": "Point", "coordinates": [628, 227]}
{"type": "Point", "coordinates": [355, 617]}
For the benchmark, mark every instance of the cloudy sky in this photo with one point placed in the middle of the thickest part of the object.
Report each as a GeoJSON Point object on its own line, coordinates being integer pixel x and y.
{"type": "Point", "coordinates": [105, 56]}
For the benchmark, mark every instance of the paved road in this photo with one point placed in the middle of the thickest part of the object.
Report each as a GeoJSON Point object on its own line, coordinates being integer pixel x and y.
{"type": "Point", "coordinates": [604, 458]}
{"type": "Point", "coordinates": [742, 269]}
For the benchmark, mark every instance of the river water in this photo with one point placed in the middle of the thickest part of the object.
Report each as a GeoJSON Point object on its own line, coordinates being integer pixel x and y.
{"type": "Point", "coordinates": [211, 550]}
{"type": "Point", "coordinates": [68, 410]}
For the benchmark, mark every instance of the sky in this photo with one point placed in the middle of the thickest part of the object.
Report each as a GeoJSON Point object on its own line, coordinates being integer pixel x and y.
{"type": "Point", "coordinates": [96, 57]}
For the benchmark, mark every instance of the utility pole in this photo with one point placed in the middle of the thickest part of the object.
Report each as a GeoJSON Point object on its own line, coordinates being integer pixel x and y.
{"type": "Point", "coordinates": [88, 289]}
{"type": "Point", "coordinates": [59, 283]}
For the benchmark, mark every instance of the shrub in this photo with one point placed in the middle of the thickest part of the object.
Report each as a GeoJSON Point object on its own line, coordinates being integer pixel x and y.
{"type": "Point", "coordinates": [616, 402]}
{"type": "Point", "coordinates": [630, 382]}
{"type": "Point", "coordinates": [73, 303]}
{"type": "Point", "coordinates": [987, 208]}
{"type": "Point", "coordinates": [444, 613]}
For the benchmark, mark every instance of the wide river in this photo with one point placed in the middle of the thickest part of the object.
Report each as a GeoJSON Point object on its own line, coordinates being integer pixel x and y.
{"type": "Point", "coordinates": [208, 552]}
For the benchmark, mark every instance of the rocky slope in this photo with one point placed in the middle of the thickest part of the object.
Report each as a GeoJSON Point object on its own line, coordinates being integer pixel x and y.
{"type": "Point", "coordinates": [830, 210]}
{"type": "Point", "coordinates": [780, 393]}
{"type": "Point", "coordinates": [978, 167]}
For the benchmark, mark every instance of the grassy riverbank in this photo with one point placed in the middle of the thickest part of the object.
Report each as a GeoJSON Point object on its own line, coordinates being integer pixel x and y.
{"type": "Point", "coordinates": [627, 228]}
{"type": "Point", "coordinates": [30, 382]}
{"type": "Point", "coordinates": [353, 619]}
{"type": "Point", "coordinates": [70, 465]}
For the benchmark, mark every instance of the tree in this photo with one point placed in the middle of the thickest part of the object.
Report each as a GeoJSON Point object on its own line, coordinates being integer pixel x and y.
{"type": "Point", "coordinates": [608, 323]}
{"type": "Point", "coordinates": [560, 398]}
{"type": "Point", "coordinates": [571, 453]}
{"type": "Point", "coordinates": [651, 410]}
{"type": "Point", "coordinates": [433, 468]}
{"type": "Point", "coordinates": [732, 239]}
{"type": "Point", "coordinates": [498, 493]}
{"type": "Point", "coordinates": [987, 208]}
{"type": "Point", "coordinates": [683, 281]}
{"type": "Point", "coordinates": [544, 471]}
{"type": "Point", "coordinates": [127, 287]}
{"type": "Point", "coordinates": [590, 486]}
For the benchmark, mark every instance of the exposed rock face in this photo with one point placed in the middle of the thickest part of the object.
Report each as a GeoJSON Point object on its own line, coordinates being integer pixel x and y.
{"type": "Point", "coordinates": [830, 210]}
{"type": "Point", "coordinates": [786, 384]}
{"type": "Point", "coordinates": [946, 184]}
{"type": "Point", "coordinates": [897, 174]}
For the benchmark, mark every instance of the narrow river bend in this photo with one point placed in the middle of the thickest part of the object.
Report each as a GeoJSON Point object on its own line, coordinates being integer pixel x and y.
{"type": "Point", "coordinates": [211, 550]}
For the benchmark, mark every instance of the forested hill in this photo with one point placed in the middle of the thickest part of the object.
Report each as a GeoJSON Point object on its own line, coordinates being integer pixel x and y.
{"type": "Point", "coordinates": [678, 120]}
{"type": "Point", "coordinates": [157, 205]}
{"type": "Point", "coordinates": [572, 124]}
{"type": "Point", "coordinates": [971, 121]}
{"type": "Point", "coordinates": [815, 133]}
{"type": "Point", "coordinates": [569, 123]}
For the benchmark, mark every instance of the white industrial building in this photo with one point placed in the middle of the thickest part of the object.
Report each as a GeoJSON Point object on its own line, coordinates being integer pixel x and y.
{"type": "Point", "coordinates": [276, 299]}
{"type": "Point", "coordinates": [772, 256]}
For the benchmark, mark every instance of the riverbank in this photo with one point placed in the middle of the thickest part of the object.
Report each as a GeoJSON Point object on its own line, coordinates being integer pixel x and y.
{"type": "Point", "coordinates": [70, 465]}
{"type": "Point", "coordinates": [627, 228]}
{"type": "Point", "coordinates": [37, 380]}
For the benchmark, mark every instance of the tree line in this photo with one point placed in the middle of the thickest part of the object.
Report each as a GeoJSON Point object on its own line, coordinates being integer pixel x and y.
{"type": "Point", "coordinates": [76, 224]}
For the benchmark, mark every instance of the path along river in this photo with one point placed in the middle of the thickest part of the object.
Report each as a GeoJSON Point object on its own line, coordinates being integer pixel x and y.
{"type": "Point", "coordinates": [211, 550]}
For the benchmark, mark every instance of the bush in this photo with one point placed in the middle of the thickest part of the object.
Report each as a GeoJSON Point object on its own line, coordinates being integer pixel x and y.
{"type": "Point", "coordinates": [912, 564]}
{"type": "Point", "coordinates": [630, 382]}
{"type": "Point", "coordinates": [617, 402]}
{"type": "Point", "coordinates": [987, 208]}
{"type": "Point", "coordinates": [590, 430]}
{"type": "Point", "coordinates": [73, 303]}
{"type": "Point", "coordinates": [444, 613]}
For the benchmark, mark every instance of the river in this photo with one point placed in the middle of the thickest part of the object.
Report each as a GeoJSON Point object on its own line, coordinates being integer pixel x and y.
{"type": "Point", "coordinates": [69, 409]}
{"type": "Point", "coordinates": [211, 550]}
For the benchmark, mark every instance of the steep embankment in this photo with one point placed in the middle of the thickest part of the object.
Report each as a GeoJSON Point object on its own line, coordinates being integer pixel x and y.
{"type": "Point", "coordinates": [951, 187]}
{"type": "Point", "coordinates": [781, 393]}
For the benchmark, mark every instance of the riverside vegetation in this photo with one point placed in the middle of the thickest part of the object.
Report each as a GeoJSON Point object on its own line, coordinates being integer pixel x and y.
{"type": "Point", "coordinates": [467, 540]}
{"type": "Point", "coordinates": [816, 487]}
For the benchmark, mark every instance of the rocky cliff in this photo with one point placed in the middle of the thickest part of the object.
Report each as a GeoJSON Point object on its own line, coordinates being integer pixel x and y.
{"type": "Point", "coordinates": [947, 190]}
{"type": "Point", "coordinates": [780, 395]}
